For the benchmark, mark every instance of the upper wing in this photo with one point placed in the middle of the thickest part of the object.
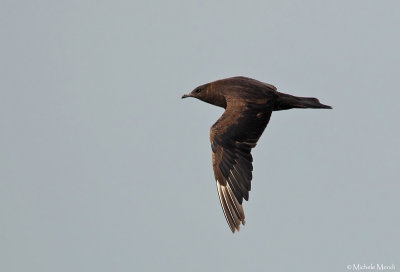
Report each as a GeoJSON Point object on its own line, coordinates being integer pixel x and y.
{"type": "Point", "coordinates": [232, 137]}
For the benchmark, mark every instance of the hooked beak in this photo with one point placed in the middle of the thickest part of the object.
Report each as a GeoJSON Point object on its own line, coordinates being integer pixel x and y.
{"type": "Point", "coordinates": [186, 95]}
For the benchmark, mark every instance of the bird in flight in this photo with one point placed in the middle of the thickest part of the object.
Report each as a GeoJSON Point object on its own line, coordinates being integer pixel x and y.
{"type": "Point", "coordinates": [248, 105]}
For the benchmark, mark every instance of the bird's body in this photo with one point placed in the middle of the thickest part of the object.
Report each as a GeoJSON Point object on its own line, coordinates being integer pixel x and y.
{"type": "Point", "coordinates": [248, 107]}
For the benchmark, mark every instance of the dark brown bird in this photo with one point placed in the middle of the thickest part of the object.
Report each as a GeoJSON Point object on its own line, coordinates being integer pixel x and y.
{"type": "Point", "coordinates": [248, 105]}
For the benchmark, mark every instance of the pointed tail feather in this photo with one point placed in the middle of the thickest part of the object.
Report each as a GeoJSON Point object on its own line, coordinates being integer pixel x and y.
{"type": "Point", "coordinates": [287, 101]}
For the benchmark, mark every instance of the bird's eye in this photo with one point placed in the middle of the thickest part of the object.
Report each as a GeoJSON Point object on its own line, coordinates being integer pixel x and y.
{"type": "Point", "coordinates": [198, 90]}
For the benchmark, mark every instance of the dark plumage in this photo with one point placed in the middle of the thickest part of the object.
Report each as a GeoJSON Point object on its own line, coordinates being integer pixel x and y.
{"type": "Point", "coordinates": [248, 106]}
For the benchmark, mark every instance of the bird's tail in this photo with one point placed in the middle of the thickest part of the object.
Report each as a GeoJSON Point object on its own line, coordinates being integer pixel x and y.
{"type": "Point", "coordinates": [287, 101]}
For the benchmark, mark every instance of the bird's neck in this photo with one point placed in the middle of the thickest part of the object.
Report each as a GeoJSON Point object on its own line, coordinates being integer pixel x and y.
{"type": "Point", "coordinates": [216, 97]}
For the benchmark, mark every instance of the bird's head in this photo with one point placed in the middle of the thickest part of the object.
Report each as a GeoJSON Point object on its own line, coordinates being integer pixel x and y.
{"type": "Point", "coordinates": [200, 92]}
{"type": "Point", "coordinates": [209, 94]}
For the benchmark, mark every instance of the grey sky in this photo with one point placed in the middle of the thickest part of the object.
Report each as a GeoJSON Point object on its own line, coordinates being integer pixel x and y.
{"type": "Point", "coordinates": [104, 168]}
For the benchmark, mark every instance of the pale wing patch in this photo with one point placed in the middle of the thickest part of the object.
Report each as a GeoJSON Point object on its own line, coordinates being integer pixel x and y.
{"type": "Point", "coordinates": [233, 211]}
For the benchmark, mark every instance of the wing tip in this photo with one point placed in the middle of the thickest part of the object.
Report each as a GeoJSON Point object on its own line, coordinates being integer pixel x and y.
{"type": "Point", "coordinates": [233, 211]}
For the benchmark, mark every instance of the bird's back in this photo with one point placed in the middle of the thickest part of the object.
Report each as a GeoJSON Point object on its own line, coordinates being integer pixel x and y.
{"type": "Point", "coordinates": [245, 89]}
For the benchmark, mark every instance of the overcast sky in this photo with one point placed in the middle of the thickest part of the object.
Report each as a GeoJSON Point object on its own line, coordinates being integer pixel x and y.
{"type": "Point", "coordinates": [104, 168]}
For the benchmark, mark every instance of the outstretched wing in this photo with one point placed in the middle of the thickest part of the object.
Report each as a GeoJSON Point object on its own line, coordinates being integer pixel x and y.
{"type": "Point", "coordinates": [232, 137]}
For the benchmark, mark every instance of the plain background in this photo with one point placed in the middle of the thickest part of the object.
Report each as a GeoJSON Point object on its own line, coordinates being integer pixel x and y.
{"type": "Point", "coordinates": [104, 168]}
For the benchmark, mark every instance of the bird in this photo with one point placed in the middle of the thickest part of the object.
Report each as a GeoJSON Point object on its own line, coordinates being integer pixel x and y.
{"type": "Point", "coordinates": [248, 105]}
